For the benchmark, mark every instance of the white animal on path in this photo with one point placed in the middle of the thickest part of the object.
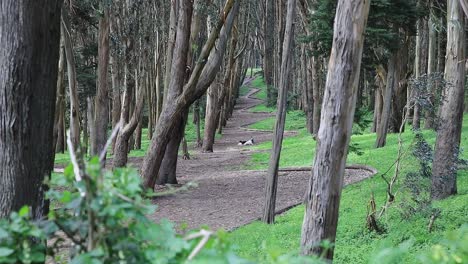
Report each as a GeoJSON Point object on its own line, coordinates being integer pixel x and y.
{"type": "Point", "coordinates": [249, 142]}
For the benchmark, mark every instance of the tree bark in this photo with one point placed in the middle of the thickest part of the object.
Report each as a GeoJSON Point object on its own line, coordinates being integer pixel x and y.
{"type": "Point", "coordinates": [29, 54]}
{"type": "Point", "coordinates": [72, 82]}
{"type": "Point", "coordinates": [421, 67]}
{"type": "Point", "coordinates": [431, 69]}
{"type": "Point", "coordinates": [272, 174]}
{"type": "Point", "coordinates": [269, 48]}
{"type": "Point", "coordinates": [101, 109]}
{"type": "Point", "coordinates": [211, 117]}
{"type": "Point", "coordinates": [444, 169]}
{"type": "Point", "coordinates": [59, 133]}
{"type": "Point", "coordinates": [323, 195]}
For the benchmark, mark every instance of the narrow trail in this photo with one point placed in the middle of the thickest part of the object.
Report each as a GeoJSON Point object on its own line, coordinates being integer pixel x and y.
{"type": "Point", "coordinates": [227, 196]}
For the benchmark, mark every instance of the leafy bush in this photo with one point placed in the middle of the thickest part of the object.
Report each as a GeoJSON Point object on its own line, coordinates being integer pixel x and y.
{"type": "Point", "coordinates": [102, 218]}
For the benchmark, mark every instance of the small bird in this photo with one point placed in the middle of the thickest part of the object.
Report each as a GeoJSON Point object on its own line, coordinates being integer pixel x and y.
{"type": "Point", "coordinates": [249, 142]}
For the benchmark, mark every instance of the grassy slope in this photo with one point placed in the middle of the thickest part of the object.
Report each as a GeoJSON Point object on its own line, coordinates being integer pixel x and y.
{"type": "Point", "coordinates": [354, 243]}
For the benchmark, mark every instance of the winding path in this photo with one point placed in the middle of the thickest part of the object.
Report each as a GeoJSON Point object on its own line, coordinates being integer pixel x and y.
{"type": "Point", "coordinates": [227, 196]}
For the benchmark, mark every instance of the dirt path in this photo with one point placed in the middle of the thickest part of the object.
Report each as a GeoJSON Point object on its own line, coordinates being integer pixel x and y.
{"type": "Point", "coordinates": [227, 196]}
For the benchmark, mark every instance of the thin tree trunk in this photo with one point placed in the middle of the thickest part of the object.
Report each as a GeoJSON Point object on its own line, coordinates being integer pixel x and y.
{"type": "Point", "coordinates": [431, 69]}
{"type": "Point", "coordinates": [72, 82]}
{"type": "Point", "coordinates": [58, 139]}
{"type": "Point", "coordinates": [29, 54]}
{"type": "Point", "coordinates": [272, 174]}
{"type": "Point", "coordinates": [269, 48]}
{"type": "Point", "coordinates": [444, 169]}
{"type": "Point", "coordinates": [116, 100]}
{"type": "Point", "coordinates": [316, 95]}
{"type": "Point", "coordinates": [323, 195]}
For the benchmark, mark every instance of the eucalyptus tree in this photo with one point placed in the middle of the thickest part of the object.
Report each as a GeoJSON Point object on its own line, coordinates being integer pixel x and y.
{"type": "Point", "coordinates": [29, 54]}
{"type": "Point", "coordinates": [326, 182]}
{"type": "Point", "coordinates": [447, 147]}
{"type": "Point", "coordinates": [183, 93]}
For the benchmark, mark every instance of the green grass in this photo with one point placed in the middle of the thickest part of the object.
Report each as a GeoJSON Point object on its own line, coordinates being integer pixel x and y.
{"type": "Point", "coordinates": [257, 241]}
{"type": "Point", "coordinates": [295, 121]}
{"type": "Point", "coordinates": [354, 243]}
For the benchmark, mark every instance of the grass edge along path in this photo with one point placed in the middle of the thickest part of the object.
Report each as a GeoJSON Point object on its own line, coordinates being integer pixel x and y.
{"type": "Point", "coordinates": [355, 244]}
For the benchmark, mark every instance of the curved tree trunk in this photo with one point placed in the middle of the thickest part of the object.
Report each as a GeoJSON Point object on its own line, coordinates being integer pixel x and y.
{"type": "Point", "coordinates": [202, 76]}
{"type": "Point", "coordinates": [29, 53]}
{"type": "Point", "coordinates": [323, 195]}
{"type": "Point", "coordinates": [444, 169]}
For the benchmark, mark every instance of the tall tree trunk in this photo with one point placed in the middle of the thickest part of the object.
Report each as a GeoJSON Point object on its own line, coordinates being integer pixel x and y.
{"type": "Point", "coordinates": [116, 100]}
{"type": "Point", "coordinates": [72, 82]}
{"type": "Point", "coordinates": [101, 120]}
{"type": "Point", "coordinates": [444, 169]}
{"type": "Point", "coordinates": [431, 69]}
{"type": "Point", "coordinates": [323, 195]}
{"type": "Point", "coordinates": [272, 174]}
{"type": "Point", "coordinates": [269, 48]}
{"type": "Point", "coordinates": [316, 94]}
{"type": "Point", "coordinates": [59, 138]}
{"type": "Point", "coordinates": [422, 42]}
{"type": "Point", "coordinates": [29, 54]}
{"type": "Point", "coordinates": [392, 82]}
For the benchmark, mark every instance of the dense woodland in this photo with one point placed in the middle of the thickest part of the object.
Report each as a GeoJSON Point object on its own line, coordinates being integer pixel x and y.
{"type": "Point", "coordinates": [92, 82]}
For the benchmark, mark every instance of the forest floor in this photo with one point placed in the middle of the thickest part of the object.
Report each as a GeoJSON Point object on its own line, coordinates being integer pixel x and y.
{"type": "Point", "coordinates": [226, 195]}
{"type": "Point", "coordinates": [223, 193]}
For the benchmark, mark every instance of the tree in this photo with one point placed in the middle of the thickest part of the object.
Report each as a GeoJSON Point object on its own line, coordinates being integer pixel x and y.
{"type": "Point", "coordinates": [326, 182]}
{"type": "Point", "coordinates": [272, 174]}
{"type": "Point", "coordinates": [444, 169]}
{"type": "Point", "coordinates": [202, 76]}
{"type": "Point", "coordinates": [101, 119]}
{"type": "Point", "coordinates": [269, 47]}
{"type": "Point", "coordinates": [29, 53]}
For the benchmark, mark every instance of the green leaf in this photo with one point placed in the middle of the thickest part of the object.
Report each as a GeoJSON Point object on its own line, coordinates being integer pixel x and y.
{"type": "Point", "coordinates": [5, 251]}
{"type": "Point", "coordinates": [3, 233]}
{"type": "Point", "coordinates": [24, 211]}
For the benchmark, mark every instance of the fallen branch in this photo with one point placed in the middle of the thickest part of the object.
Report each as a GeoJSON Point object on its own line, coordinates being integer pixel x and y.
{"type": "Point", "coordinates": [205, 234]}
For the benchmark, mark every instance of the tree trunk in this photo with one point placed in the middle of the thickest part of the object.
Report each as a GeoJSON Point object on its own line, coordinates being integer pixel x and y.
{"type": "Point", "coordinates": [269, 47]}
{"type": "Point", "coordinates": [272, 174]}
{"type": "Point", "coordinates": [421, 67]}
{"type": "Point", "coordinates": [59, 135]}
{"type": "Point", "coordinates": [207, 67]}
{"type": "Point", "coordinates": [323, 195]}
{"type": "Point", "coordinates": [387, 103]}
{"type": "Point", "coordinates": [168, 170]}
{"type": "Point", "coordinates": [116, 100]}
{"type": "Point", "coordinates": [101, 120]}
{"type": "Point", "coordinates": [72, 82]}
{"type": "Point", "coordinates": [431, 69]}
{"type": "Point", "coordinates": [210, 117]}
{"type": "Point", "coordinates": [316, 94]}
{"type": "Point", "coordinates": [444, 169]}
{"type": "Point", "coordinates": [129, 126]}
{"type": "Point", "coordinates": [29, 54]}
